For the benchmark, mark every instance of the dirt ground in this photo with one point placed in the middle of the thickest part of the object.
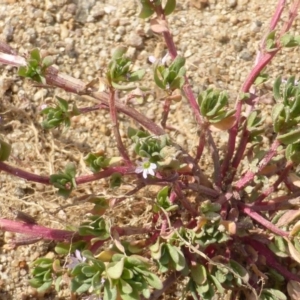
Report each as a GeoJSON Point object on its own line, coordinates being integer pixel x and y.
{"type": "Point", "coordinates": [218, 38]}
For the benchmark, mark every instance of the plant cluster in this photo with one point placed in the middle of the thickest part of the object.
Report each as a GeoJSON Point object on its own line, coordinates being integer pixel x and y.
{"type": "Point", "coordinates": [225, 232]}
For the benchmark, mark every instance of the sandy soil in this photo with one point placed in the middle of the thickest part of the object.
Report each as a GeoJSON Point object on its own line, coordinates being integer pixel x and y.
{"type": "Point", "coordinates": [219, 40]}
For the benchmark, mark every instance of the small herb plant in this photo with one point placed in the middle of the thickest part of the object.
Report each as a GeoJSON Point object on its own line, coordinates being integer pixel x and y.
{"type": "Point", "coordinates": [227, 232]}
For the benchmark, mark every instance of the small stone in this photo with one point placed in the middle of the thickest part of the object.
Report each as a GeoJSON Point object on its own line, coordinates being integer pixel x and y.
{"type": "Point", "coordinates": [39, 187]}
{"type": "Point", "coordinates": [39, 95]}
{"type": "Point", "coordinates": [246, 55]}
{"type": "Point", "coordinates": [97, 12]}
{"type": "Point", "coordinates": [232, 3]}
{"type": "Point", "coordinates": [8, 32]}
{"type": "Point", "coordinates": [200, 4]}
{"type": "Point", "coordinates": [134, 40]}
{"type": "Point", "coordinates": [130, 53]}
{"type": "Point", "coordinates": [114, 22]}
{"type": "Point", "coordinates": [188, 53]}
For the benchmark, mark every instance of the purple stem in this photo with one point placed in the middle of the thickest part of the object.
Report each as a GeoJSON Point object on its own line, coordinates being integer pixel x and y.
{"type": "Point", "coordinates": [258, 218]}
{"type": "Point", "coordinates": [274, 187]}
{"type": "Point", "coordinates": [186, 204]}
{"type": "Point", "coordinates": [263, 60]}
{"type": "Point", "coordinates": [114, 118]}
{"type": "Point", "coordinates": [37, 230]}
{"type": "Point", "coordinates": [79, 180]}
{"type": "Point", "coordinates": [70, 84]}
{"type": "Point", "coordinates": [271, 259]}
{"type": "Point", "coordinates": [263, 163]}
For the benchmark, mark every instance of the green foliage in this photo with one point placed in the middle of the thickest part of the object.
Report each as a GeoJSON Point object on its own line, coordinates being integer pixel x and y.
{"type": "Point", "coordinates": [130, 277]}
{"type": "Point", "coordinates": [65, 182]}
{"type": "Point", "coordinates": [168, 256]}
{"type": "Point", "coordinates": [97, 161]}
{"type": "Point", "coordinates": [148, 146]}
{"type": "Point", "coordinates": [172, 77]}
{"type": "Point", "coordinates": [169, 7]}
{"type": "Point", "coordinates": [163, 201]}
{"type": "Point", "coordinates": [255, 125]}
{"type": "Point", "coordinates": [55, 116]}
{"type": "Point", "coordinates": [272, 294]}
{"type": "Point", "coordinates": [36, 66]}
{"type": "Point", "coordinates": [289, 41]}
{"type": "Point", "coordinates": [95, 226]}
{"type": "Point", "coordinates": [119, 70]}
{"type": "Point", "coordinates": [214, 105]}
{"type": "Point", "coordinates": [271, 41]}
{"type": "Point", "coordinates": [5, 150]}
{"type": "Point", "coordinates": [87, 274]}
{"type": "Point", "coordinates": [44, 272]}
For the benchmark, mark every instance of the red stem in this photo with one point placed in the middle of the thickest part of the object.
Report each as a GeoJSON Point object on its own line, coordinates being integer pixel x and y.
{"type": "Point", "coordinates": [263, 60]}
{"type": "Point", "coordinates": [274, 187]}
{"type": "Point", "coordinates": [271, 259]}
{"type": "Point", "coordinates": [263, 163]}
{"type": "Point", "coordinates": [258, 218]}
{"type": "Point", "coordinates": [79, 180]}
{"type": "Point", "coordinates": [114, 119]}
{"type": "Point", "coordinates": [37, 230]}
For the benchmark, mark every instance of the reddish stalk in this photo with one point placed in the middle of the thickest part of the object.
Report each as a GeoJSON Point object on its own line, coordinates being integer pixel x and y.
{"type": "Point", "coordinates": [115, 125]}
{"type": "Point", "coordinates": [186, 204]}
{"type": "Point", "coordinates": [282, 202]}
{"type": "Point", "coordinates": [271, 259]}
{"type": "Point", "coordinates": [258, 218]}
{"type": "Point", "coordinates": [263, 60]}
{"type": "Point", "coordinates": [76, 86]}
{"type": "Point", "coordinates": [240, 184]}
{"type": "Point", "coordinates": [274, 187]}
{"type": "Point", "coordinates": [79, 180]}
{"type": "Point", "coordinates": [37, 230]}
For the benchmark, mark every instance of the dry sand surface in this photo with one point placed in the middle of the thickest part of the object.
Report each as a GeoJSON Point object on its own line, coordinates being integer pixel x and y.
{"type": "Point", "coordinates": [219, 40]}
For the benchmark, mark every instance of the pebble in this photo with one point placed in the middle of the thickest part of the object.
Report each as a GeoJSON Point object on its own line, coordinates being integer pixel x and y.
{"type": "Point", "coordinates": [40, 95]}
{"type": "Point", "coordinates": [231, 3]}
{"type": "Point", "coordinates": [134, 40]}
{"type": "Point", "coordinates": [218, 37]}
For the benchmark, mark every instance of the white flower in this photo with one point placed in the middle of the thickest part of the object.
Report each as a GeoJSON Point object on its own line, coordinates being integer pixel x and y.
{"type": "Point", "coordinates": [75, 260]}
{"type": "Point", "coordinates": [152, 59]}
{"type": "Point", "coordinates": [146, 167]}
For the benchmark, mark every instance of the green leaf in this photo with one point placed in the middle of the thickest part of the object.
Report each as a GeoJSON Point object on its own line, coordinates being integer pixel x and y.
{"type": "Point", "coordinates": [173, 251]}
{"type": "Point", "coordinates": [289, 138]}
{"type": "Point", "coordinates": [5, 150]}
{"type": "Point", "coordinates": [276, 88]}
{"type": "Point", "coordinates": [199, 274]}
{"type": "Point", "coordinates": [115, 180]}
{"type": "Point", "coordinates": [169, 7]}
{"type": "Point", "coordinates": [217, 284]}
{"type": "Point", "coordinates": [119, 52]}
{"type": "Point", "coordinates": [47, 61]}
{"type": "Point", "coordinates": [44, 287]}
{"type": "Point", "coordinates": [35, 54]}
{"type": "Point", "coordinates": [287, 40]}
{"type": "Point", "coordinates": [270, 41]}
{"type": "Point", "coordinates": [110, 293]}
{"type": "Point", "coordinates": [83, 288]}
{"type": "Point", "coordinates": [154, 281]}
{"type": "Point", "coordinates": [240, 270]}
{"type": "Point", "coordinates": [275, 294]}
{"type": "Point", "coordinates": [159, 82]}
{"type": "Point", "coordinates": [137, 75]}
{"type": "Point", "coordinates": [261, 78]}
{"type": "Point", "coordinates": [146, 11]}
{"type": "Point", "coordinates": [57, 283]}
{"type": "Point", "coordinates": [115, 269]}
{"type": "Point", "coordinates": [125, 287]}
{"type": "Point", "coordinates": [62, 104]}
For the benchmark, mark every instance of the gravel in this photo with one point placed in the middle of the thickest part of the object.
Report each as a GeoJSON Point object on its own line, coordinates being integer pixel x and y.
{"type": "Point", "coordinates": [218, 38]}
